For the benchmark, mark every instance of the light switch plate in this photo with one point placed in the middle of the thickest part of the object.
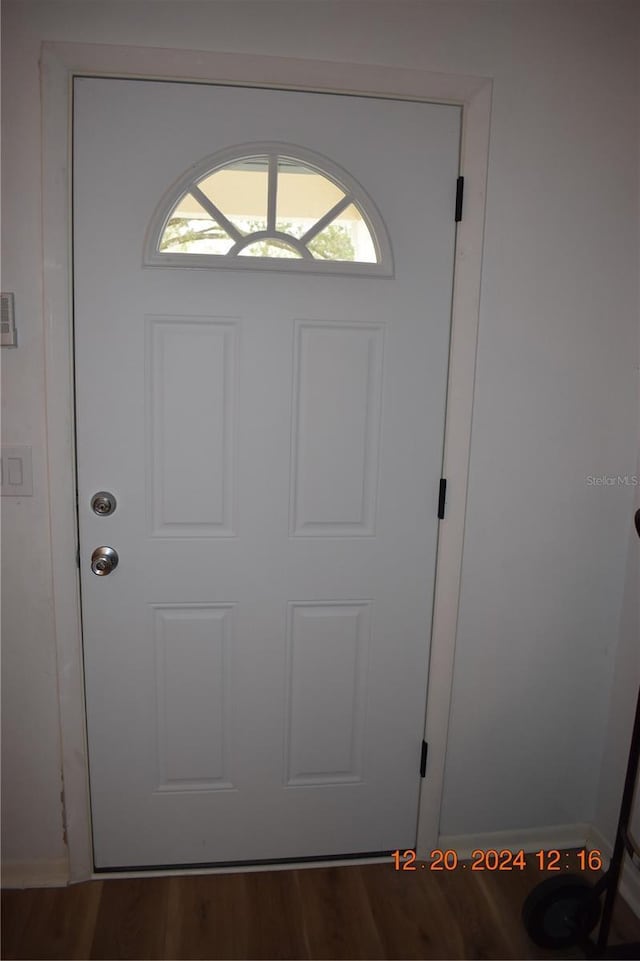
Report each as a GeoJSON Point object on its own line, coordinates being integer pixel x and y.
{"type": "Point", "coordinates": [17, 475]}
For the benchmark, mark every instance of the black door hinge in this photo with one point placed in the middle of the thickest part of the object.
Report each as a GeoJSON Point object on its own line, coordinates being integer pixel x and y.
{"type": "Point", "coordinates": [442, 497]}
{"type": "Point", "coordinates": [423, 758]}
{"type": "Point", "coordinates": [459, 197]}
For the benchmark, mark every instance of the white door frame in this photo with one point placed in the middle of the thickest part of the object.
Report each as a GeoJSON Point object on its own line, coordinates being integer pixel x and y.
{"type": "Point", "coordinates": [60, 63]}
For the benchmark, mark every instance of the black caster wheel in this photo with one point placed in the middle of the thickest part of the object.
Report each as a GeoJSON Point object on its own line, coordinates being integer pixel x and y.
{"type": "Point", "coordinates": [561, 912]}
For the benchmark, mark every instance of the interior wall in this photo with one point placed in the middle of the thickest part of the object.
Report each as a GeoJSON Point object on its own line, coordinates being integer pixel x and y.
{"type": "Point", "coordinates": [556, 389]}
{"type": "Point", "coordinates": [626, 677]}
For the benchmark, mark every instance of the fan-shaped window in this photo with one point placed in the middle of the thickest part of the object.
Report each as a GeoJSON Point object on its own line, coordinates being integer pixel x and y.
{"type": "Point", "coordinates": [269, 205]}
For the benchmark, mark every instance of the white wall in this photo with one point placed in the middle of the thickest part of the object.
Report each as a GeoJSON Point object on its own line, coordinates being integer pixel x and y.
{"type": "Point", "coordinates": [556, 400]}
{"type": "Point", "coordinates": [627, 669]}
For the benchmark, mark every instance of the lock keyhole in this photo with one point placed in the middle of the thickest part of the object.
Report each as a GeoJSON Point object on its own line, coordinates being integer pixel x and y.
{"type": "Point", "coordinates": [103, 503]}
{"type": "Point", "coordinates": [104, 560]}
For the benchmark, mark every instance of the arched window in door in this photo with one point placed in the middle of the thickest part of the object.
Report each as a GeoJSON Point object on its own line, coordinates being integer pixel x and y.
{"type": "Point", "coordinates": [269, 205]}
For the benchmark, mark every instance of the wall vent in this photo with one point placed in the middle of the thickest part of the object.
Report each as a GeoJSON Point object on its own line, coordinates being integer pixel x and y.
{"type": "Point", "coordinates": [8, 333]}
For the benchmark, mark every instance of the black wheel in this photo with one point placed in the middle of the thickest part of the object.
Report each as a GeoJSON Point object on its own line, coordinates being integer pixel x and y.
{"type": "Point", "coordinates": [561, 912]}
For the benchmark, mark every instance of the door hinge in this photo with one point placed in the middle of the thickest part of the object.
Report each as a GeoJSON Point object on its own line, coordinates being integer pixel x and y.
{"type": "Point", "coordinates": [423, 758]}
{"type": "Point", "coordinates": [459, 198]}
{"type": "Point", "coordinates": [442, 497]}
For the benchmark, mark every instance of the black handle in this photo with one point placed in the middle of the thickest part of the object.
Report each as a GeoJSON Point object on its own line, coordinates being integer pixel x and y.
{"type": "Point", "coordinates": [637, 521]}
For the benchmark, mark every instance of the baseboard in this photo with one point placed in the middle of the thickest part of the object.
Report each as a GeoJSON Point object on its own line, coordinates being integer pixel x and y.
{"type": "Point", "coordinates": [557, 836]}
{"type": "Point", "coordinates": [35, 874]}
{"type": "Point", "coordinates": [630, 879]}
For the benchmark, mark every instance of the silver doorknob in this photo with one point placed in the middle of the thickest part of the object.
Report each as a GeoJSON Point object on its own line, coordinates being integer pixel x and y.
{"type": "Point", "coordinates": [104, 560]}
{"type": "Point", "coordinates": [103, 503]}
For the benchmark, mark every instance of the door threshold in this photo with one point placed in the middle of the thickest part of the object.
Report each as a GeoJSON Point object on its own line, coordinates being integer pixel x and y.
{"type": "Point", "coordinates": [240, 867]}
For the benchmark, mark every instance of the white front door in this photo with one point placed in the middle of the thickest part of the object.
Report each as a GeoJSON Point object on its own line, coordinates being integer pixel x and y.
{"type": "Point", "coordinates": [256, 665]}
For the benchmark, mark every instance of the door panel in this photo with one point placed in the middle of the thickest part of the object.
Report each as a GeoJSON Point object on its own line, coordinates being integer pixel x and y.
{"type": "Point", "coordinates": [327, 650]}
{"type": "Point", "coordinates": [336, 433]}
{"type": "Point", "coordinates": [192, 650]}
{"type": "Point", "coordinates": [191, 367]}
{"type": "Point", "coordinates": [256, 666]}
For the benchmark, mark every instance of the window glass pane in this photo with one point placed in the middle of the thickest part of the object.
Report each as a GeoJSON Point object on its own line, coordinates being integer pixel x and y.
{"type": "Point", "coordinates": [269, 247]}
{"type": "Point", "coordinates": [240, 192]}
{"type": "Point", "coordinates": [190, 230]}
{"type": "Point", "coordinates": [345, 238]}
{"type": "Point", "coordinates": [304, 196]}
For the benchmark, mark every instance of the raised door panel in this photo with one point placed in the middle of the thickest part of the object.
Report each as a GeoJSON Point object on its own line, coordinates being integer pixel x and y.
{"type": "Point", "coordinates": [191, 399]}
{"type": "Point", "coordinates": [336, 429]}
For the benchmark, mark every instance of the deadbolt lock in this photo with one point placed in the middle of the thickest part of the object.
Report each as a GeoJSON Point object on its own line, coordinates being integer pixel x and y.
{"type": "Point", "coordinates": [103, 503]}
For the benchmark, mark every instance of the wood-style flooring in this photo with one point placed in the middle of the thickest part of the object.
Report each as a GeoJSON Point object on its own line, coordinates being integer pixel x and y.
{"type": "Point", "coordinates": [362, 911]}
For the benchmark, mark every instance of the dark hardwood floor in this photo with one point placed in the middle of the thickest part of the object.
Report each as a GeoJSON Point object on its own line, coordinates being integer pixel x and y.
{"type": "Point", "coordinates": [362, 911]}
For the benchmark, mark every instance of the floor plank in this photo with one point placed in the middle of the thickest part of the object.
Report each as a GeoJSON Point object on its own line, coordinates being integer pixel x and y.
{"type": "Point", "coordinates": [131, 919]}
{"type": "Point", "coordinates": [206, 917]}
{"type": "Point", "coordinates": [273, 916]}
{"type": "Point", "coordinates": [15, 910]}
{"type": "Point", "coordinates": [52, 922]}
{"type": "Point", "coordinates": [337, 915]}
{"type": "Point", "coordinates": [411, 911]}
{"type": "Point", "coordinates": [471, 902]}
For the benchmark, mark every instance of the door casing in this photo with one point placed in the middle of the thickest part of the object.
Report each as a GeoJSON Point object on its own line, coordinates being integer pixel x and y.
{"type": "Point", "coordinates": [60, 63]}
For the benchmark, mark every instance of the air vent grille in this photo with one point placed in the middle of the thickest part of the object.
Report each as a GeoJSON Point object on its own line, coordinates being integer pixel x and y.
{"type": "Point", "coordinates": [8, 336]}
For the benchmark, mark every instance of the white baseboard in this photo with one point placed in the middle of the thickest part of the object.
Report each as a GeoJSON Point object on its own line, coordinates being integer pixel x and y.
{"type": "Point", "coordinates": [630, 878]}
{"type": "Point", "coordinates": [556, 836]}
{"type": "Point", "coordinates": [35, 874]}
